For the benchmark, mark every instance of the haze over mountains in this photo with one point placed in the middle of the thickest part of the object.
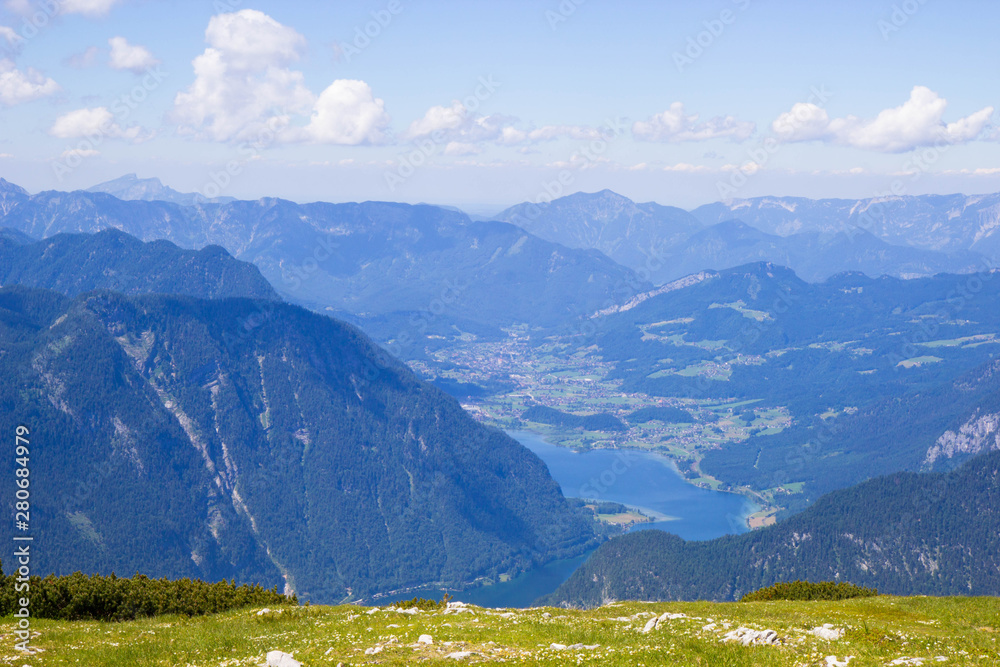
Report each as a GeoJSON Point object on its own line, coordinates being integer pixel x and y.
{"type": "Point", "coordinates": [400, 266]}
{"type": "Point", "coordinates": [900, 236]}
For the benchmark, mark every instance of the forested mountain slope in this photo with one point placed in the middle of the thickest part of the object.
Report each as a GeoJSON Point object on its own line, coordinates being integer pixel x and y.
{"type": "Point", "coordinates": [251, 439]}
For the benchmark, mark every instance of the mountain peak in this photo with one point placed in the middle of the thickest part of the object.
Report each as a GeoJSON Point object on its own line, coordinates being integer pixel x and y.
{"type": "Point", "coordinates": [6, 187]}
{"type": "Point", "coordinates": [132, 188]}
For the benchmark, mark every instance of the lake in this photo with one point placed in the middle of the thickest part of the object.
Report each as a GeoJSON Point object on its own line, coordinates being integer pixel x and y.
{"type": "Point", "coordinates": [643, 480]}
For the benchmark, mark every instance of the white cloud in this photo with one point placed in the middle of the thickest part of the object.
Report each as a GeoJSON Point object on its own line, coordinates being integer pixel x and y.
{"type": "Point", "coordinates": [347, 113]}
{"type": "Point", "coordinates": [5, 156]}
{"type": "Point", "coordinates": [462, 129]}
{"type": "Point", "coordinates": [459, 148]}
{"type": "Point", "coordinates": [131, 57]}
{"type": "Point", "coordinates": [17, 86]}
{"type": "Point", "coordinates": [438, 118]}
{"type": "Point", "coordinates": [84, 59]}
{"type": "Point", "coordinates": [805, 122]}
{"type": "Point", "coordinates": [239, 92]}
{"type": "Point", "coordinates": [9, 35]}
{"type": "Point", "coordinates": [675, 126]}
{"type": "Point", "coordinates": [92, 8]}
{"type": "Point", "coordinates": [245, 90]}
{"type": "Point", "coordinates": [252, 40]}
{"type": "Point", "coordinates": [915, 123]}
{"type": "Point", "coordinates": [87, 7]}
{"type": "Point", "coordinates": [95, 123]}
{"type": "Point", "coordinates": [79, 153]}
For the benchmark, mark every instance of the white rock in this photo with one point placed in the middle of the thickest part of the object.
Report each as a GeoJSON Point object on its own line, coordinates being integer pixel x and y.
{"type": "Point", "coordinates": [425, 639]}
{"type": "Point", "coordinates": [832, 661]}
{"type": "Point", "coordinates": [263, 611]}
{"type": "Point", "coordinates": [459, 655]}
{"type": "Point", "coordinates": [710, 626]}
{"type": "Point", "coordinates": [828, 632]}
{"type": "Point", "coordinates": [373, 650]}
{"type": "Point", "coordinates": [650, 625]}
{"type": "Point", "coordinates": [557, 647]}
{"type": "Point", "coordinates": [281, 659]}
{"type": "Point", "coordinates": [750, 637]}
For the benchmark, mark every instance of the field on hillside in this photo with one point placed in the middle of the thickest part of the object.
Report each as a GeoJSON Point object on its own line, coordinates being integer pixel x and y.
{"type": "Point", "coordinates": [872, 631]}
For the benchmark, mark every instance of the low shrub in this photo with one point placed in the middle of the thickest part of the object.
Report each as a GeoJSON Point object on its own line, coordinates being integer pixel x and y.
{"type": "Point", "coordinates": [78, 597]}
{"type": "Point", "coordinates": [807, 590]}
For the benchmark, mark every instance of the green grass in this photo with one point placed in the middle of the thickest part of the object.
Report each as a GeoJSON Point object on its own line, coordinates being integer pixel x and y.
{"type": "Point", "coordinates": [916, 362]}
{"type": "Point", "coordinates": [876, 631]}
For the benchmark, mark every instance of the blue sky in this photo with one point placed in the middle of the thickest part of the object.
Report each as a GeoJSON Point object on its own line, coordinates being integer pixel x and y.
{"type": "Point", "coordinates": [485, 104]}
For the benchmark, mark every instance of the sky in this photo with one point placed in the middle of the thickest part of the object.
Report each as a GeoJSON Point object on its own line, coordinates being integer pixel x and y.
{"type": "Point", "coordinates": [486, 104]}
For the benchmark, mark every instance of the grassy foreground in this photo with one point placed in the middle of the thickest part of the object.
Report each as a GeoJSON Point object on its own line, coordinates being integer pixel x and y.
{"type": "Point", "coordinates": [877, 631]}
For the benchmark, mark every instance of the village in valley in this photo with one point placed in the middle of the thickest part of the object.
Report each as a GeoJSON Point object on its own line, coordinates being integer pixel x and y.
{"type": "Point", "coordinates": [520, 372]}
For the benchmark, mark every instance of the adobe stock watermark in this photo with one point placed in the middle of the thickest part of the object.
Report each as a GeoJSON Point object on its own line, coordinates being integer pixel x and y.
{"type": "Point", "coordinates": [562, 13]}
{"type": "Point", "coordinates": [408, 163]}
{"type": "Point", "coordinates": [248, 150]}
{"type": "Point", "coordinates": [714, 28]}
{"type": "Point", "coordinates": [770, 145]}
{"type": "Point", "coordinates": [110, 127]}
{"type": "Point", "coordinates": [587, 155]}
{"type": "Point", "coordinates": [45, 12]}
{"type": "Point", "coordinates": [364, 35]}
{"type": "Point", "coordinates": [899, 16]}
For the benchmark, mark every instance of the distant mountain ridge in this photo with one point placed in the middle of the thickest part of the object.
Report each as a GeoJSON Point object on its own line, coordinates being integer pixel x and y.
{"type": "Point", "coordinates": [405, 271]}
{"type": "Point", "coordinates": [930, 222]}
{"type": "Point", "coordinates": [634, 235]}
{"type": "Point", "coordinates": [132, 188]}
{"type": "Point", "coordinates": [900, 236]}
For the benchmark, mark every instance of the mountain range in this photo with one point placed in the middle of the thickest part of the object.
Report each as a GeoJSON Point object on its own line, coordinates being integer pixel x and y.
{"type": "Point", "coordinates": [931, 222]}
{"type": "Point", "coordinates": [899, 236]}
{"type": "Point", "coordinates": [403, 271]}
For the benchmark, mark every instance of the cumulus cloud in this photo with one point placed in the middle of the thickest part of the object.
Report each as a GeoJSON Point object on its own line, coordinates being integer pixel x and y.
{"type": "Point", "coordinates": [17, 86]}
{"type": "Point", "coordinates": [916, 123]}
{"type": "Point", "coordinates": [97, 122]}
{"type": "Point", "coordinates": [252, 40]}
{"type": "Point", "coordinates": [675, 126]}
{"type": "Point", "coordinates": [348, 113]}
{"type": "Point", "coordinates": [245, 89]}
{"type": "Point", "coordinates": [131, 57]}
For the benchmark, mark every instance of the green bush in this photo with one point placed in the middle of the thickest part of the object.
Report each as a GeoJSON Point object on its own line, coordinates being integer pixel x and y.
{"type": "Point", "coordinates": [807, 590]}
{"type": "Point", "coordinates": [81, 597]}
{"type": "Point", "coordinates": [424, 604]}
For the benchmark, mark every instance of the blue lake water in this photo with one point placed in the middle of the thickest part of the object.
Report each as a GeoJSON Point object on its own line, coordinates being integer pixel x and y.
{"type": "Point", "coordinates": [644, 480]}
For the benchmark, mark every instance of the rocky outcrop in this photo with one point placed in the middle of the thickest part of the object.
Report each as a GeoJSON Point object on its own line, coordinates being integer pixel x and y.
{"type": "Point", "coordinates": [980, 434]}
